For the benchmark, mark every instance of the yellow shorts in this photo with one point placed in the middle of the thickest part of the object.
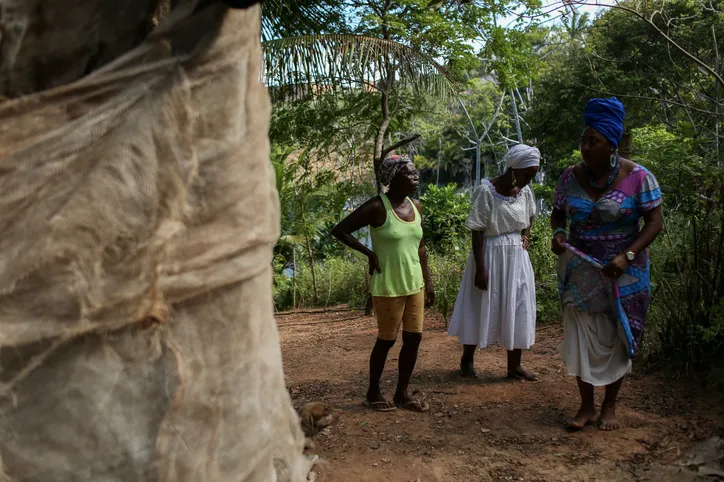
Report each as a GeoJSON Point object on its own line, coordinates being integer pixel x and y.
{"type": "Point", "coordinates": [408, 311]}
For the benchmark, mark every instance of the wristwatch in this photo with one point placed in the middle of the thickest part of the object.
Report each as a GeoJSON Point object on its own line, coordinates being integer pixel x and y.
{"type": "Point", "coordinates": [630, 256]}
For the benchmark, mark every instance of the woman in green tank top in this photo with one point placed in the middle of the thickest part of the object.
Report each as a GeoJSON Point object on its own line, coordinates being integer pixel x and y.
{"type": "Point", "coordinates": [401, 284]}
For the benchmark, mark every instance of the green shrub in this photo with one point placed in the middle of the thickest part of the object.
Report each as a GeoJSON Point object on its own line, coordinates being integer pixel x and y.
{"type": "Point", "coordinates": [344, 280]}
{"type": "Point", "coordinates": [445, 211]}
{"type": "Point", "coordinates": [544, 267]}
{"type": "Point", "coordinates": [340, 280]}
{"type": "Point", "coordinates": [447, 272]}
{"type": "Point", "coordinates": [544, 192]}
{"type": "Point", "coordinates": [685, 330]}
{"type": "Point", "coordinates": [282, 287]}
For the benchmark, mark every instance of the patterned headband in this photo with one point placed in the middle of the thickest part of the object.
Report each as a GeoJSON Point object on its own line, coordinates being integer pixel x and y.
{"type": "Point", "coordinates": [389, 167]}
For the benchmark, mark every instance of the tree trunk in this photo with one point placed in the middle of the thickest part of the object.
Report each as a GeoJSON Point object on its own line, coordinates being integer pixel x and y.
{"type": "Point", "coordinates": [382, 128]}
{"type": "Point", "coordinates": [137, 328]}
{"type": "Point", "coordinates": [518, 130]}
{"type": "Point", "coordinates": [717, 124]}
{"type": "Point", "coordinates": [294, 277]}
{"type": "Point", "coordinates": [625, 147]}
{"type": "Point", "coordinates": [437, 174]}
{"type": "Point", "coordinates": [310, 253]}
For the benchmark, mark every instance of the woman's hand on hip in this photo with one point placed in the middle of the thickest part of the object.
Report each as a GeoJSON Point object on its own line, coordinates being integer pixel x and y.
{"type": "Point", "coordinates": [526, 242]}
{"type": "Point", "coordinates": [481, 278]}
{"type": "Point", "coordinates": [616, 267]}
{"type": "Point", "coordinates": [429, 294]}
{"type": "Point", "coordinates": [374, 264]}
{"type": "Point", "coordinates": [557, 243]}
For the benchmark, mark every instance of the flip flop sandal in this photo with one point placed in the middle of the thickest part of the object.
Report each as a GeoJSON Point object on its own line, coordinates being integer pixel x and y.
{"type": "Point", "coordinates": [380, 406]}
{"type": "Point", "coordinates": [415, 406]}
{"type": "Point", "coordinates": [468, 373]}
{"type": "Point", "coordinates": [517, 376]}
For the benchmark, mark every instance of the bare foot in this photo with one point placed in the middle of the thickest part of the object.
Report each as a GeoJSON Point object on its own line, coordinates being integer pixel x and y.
{"type": "Point", "coordinates": [608, 421]}
{"type": "Point", "coordinates": [522, 373]}
{"type": "Point", "coordinates": [585, 416]}
{"type": "Point", "coordinates": [467, 370]}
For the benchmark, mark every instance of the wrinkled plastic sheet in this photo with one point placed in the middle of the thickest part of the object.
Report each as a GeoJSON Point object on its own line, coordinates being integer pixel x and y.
{"type": "Point", "coordinates": [137, 219]}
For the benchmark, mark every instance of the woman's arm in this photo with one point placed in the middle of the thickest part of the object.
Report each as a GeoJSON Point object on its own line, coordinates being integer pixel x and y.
{"type": "Point", "coordinates": [481, 274]}
{"type": "Point", "coordinates": [558, 219]}
{"type": "Point", "coordinates": [526, 234]}
{"type": "Point", "coordinates": [653, 225]}
{"type": "Point", "coordinates": [558, 222]}
{"type": "Point", "coordinates": [369, 214]}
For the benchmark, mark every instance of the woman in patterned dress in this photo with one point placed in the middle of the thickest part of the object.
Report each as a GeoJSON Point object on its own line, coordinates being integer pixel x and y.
{"type": "Point", "coordinates": [603, 264]}
{"type": "Point", "coordinates": [496, 301]}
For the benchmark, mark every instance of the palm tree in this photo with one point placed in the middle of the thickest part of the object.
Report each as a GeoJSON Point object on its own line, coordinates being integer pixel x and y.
{"type": "Point", "coordinates": [318, 62]}
{"type": "Point", "coordinates": [299, 195]}
{"type": "Point", "coordinates": [577, 24]}
{"type": "Point", "coordinates": [290, 18]}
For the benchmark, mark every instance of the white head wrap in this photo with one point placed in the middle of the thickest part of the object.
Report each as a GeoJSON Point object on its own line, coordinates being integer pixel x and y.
{"type": "Point", "coordinates": [522, 156]}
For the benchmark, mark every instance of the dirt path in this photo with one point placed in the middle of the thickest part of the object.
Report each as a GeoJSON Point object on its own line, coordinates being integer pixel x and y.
{"type": "Point", "coordinates": [489, 429]}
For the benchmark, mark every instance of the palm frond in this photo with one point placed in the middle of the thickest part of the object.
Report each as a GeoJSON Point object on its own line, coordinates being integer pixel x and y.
{"type": "Point", "coordinates": [311, 64]}
{"type": "Point", "coordinates": [288, 18]}
{"type": "Point", "coordinates": [292, 240]}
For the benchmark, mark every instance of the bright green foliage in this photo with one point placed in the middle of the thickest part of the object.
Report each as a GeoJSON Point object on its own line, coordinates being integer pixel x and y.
{"type": "Point", "coordinates": [621, 55]}
{"type": "Point", "coordinates": [510, 56]}
{"type": "Point", "coordinates": [409, 55]}
{"type": "Point", "coordinates": [544, 268]}
{"type": "Point", "coordinates": [340, 280]}
{"type": "Point", "coordinates": [444, 214]}
{"type": "Point", "coordinates": [443, 32]}
{"type": "Point", "coordinates": [286, 18]}
{"type": "Point", "coordinates": [447, 272]}
{"type": "Point", "coordinates": [544, 192]}
{"type": "Point", "coordinates": [310, 203]}
{"type": "Point", "coordinates": [674, 159]}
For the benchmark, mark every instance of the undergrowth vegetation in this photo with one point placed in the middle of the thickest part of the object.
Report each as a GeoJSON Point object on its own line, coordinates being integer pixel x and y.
{"type": "Point", "coordinates": [526, 84]}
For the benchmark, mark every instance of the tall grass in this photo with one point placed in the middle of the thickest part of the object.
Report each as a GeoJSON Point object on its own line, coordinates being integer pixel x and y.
{"type": "Point", "coordinates": [447, 272]}
{"type": "Point", "coordinates": [340, 280]}
{"type": "Point", "coordinates": [343, 279]}
{"type": "Point", "coordinates": [544, 268]}
{"type": "Point", "coordinates": [685, 331]}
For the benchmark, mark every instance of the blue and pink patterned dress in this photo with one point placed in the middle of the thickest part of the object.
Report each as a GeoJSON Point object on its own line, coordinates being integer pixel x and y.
{"type": "Point", "coordinates": [598, 232]}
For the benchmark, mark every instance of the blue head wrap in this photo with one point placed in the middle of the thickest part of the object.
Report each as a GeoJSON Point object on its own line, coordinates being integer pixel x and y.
{"type": "Point", "coordinates": [606, 116]}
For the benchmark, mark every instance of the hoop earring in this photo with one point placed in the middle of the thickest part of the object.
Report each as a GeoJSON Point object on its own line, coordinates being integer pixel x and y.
{"type": "Point", "coordinates": [515, 181]}
{"type": "Point", "coordinates": [612, 159]}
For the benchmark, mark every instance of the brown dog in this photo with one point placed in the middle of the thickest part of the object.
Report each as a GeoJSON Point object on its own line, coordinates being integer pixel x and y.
{"type": "Point", "coordinates": [315, 417]}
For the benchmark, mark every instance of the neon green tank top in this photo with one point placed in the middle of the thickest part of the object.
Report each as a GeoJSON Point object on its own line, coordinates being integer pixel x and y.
{"type": "Point", "coordinates": [396, 245]}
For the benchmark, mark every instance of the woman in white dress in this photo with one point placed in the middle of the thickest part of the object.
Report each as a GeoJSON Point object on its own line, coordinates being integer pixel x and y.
{"type": "Point", "coordinates": [496, 301]}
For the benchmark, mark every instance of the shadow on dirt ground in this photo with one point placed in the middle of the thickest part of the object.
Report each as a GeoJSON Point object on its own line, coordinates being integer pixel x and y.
{"type": "Point", "coordinates": [492, 428]}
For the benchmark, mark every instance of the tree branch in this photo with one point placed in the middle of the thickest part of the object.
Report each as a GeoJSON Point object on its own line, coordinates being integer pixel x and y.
{"type": "Point", "coordinates": [492, 120]}
{"type": "Point", "coordinates": [399, 144]}
{"type": "Point", "coordinates": [643, 97]}
{"type": "Point", "coordinates": [681, 49]}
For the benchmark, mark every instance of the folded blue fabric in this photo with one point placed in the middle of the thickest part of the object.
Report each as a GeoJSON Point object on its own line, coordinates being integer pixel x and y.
{"type": "Point", "coordinates": [606, 116]}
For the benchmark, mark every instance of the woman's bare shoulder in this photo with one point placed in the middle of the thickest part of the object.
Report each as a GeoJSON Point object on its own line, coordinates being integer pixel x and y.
{"type": "Point", "coordinates": [628, 166]}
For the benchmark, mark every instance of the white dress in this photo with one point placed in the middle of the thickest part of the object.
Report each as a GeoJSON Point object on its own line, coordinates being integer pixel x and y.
{"type": "Point", "coordinates": [593, 347]}
{"type": "Point", "coordinates": [505, 313]}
